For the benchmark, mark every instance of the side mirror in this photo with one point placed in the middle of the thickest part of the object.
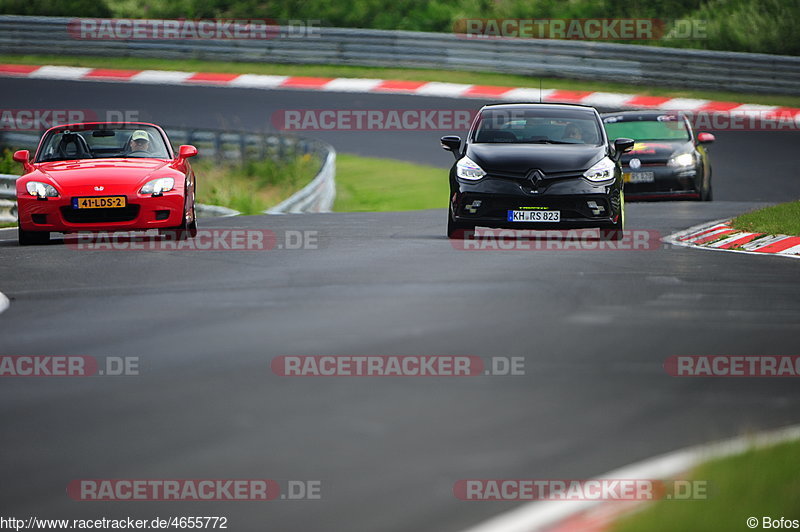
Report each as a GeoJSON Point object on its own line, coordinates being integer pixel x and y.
{"type": "Point", "coordinates": [451, 143]}
{"type": "Point", "coordinates": [23, 156]}
{"type": "Point", "coordinates": [705, 138]}
{"type": "Point", "coordinates": [621, 145]}
{"type": "Point", "coordinates": [186, 151]}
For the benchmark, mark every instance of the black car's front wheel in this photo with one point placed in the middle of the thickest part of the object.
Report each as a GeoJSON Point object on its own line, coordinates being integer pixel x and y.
{"type": "Point", "coordinates": [458, 230]}
{"type": "Point", "coordinates": [615, 231]}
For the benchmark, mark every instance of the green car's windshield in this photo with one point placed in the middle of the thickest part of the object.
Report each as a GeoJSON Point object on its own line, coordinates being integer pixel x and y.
{"type": "Point", "coordinates": [100, 141]}
{"type": "Point", "coordinates": [651, 129]}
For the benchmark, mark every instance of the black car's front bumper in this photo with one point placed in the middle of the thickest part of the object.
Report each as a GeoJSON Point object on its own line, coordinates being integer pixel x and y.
{"type": "Point", "coordinates": [581, 204]}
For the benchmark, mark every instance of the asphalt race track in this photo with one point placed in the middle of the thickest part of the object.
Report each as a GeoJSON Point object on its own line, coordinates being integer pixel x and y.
{"type": "Point", "coordinates": [594, 327]}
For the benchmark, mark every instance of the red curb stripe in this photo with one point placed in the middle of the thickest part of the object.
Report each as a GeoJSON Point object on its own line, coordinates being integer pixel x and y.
{"type": "Point", "coordinates": [718, 106]}
{"type": "Point", "coordinates": [487, 90]}
{"type": "Point", "coordinates": [704, 231]}
{"type": "Point", "coordinates": [715, 236]}
{"type": "Point", "coordinates": [399, 86]}
{"type": "Point", "coordinates": [306, 82]}
{"type": "Point", "coordinates": [18, 69]}
{"type": "Point", "coordinates": [112, 73]}
{"type": "Point", "coordinates": [741, 241]}
{"type": "Point", "coordinates": [775, 247]}
{"type": "Point", "coordinates": [211, 77]}
{"type": "Point", "coordinates": [567, 96]}
{"type": "Point", "coordinates": [647, 101]}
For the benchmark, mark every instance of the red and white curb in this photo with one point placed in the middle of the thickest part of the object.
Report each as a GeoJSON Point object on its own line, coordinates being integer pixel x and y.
{"type": "Point", "coordinates": [598, 516]}
{"type": "Point", "coordinates": [382, 86]}
{"type": "Point", "coordinates": [720, 236]}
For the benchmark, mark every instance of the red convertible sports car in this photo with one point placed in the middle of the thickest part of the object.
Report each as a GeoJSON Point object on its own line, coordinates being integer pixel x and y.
{"type": "Point", "coordinates": [105, 177]}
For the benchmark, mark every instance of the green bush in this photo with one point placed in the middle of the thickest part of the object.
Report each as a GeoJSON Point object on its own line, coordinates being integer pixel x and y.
{"type": "Point", "coordinates": [59, 8]}
{"type": "Point", "coordinates": [766, 26]}
{"type": "Point", "coordinates": [9, 165]}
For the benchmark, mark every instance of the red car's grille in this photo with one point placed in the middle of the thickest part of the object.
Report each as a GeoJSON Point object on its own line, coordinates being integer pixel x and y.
{"type": "Point", "coordinates": [94, 216]}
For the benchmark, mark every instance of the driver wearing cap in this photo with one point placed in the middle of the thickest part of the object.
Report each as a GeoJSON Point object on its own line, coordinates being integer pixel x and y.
{"type": "Point", "coordinates": [140, 141]}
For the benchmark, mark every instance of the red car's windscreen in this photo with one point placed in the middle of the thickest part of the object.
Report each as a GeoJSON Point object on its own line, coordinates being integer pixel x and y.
{"type": "Point", "coordinates": [132, 140]}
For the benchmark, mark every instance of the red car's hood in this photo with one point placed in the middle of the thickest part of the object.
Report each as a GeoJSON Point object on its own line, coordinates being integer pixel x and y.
{"type": "Point", "coordinates": [105, 172]}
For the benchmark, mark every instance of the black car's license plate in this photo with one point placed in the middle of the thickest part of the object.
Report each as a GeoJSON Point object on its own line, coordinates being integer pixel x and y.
{"type": "Point", "coordinates": [534, 216]}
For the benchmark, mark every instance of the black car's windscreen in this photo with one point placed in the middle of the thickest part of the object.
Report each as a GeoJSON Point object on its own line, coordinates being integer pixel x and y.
{"type": "Point", "coordinates": [538, 126]}
{"type": "Point", "coordinates": [666, 127]}
{"type": "Point", "coordinates": [103, 142]}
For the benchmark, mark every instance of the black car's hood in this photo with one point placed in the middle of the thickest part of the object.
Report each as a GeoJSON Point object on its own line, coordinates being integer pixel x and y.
{"type": "Point", "coordinates": [652, 151]}
{"type": "Point", "coordinates": [549, 158]}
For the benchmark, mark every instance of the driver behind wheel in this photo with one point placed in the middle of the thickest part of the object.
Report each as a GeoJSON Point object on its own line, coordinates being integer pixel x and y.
{"type": "Point", "coordinates": [140, 142]}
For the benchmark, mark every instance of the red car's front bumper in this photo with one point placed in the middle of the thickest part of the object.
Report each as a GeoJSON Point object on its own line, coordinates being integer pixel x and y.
{"type": "Point", "coordinates": [141, 213]}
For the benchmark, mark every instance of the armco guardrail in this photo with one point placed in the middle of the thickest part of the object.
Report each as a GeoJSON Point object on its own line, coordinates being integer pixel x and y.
{"type": "Point", "coordinates": [317, 196]}
{"type": "Point", "coordinates": [533, 57]}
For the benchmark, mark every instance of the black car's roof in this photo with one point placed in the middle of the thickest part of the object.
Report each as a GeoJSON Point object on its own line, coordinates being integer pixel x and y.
{"type": "Point", "coordinates": [539, 105]}
{"type": "Point", "coordinates": [648, 114]}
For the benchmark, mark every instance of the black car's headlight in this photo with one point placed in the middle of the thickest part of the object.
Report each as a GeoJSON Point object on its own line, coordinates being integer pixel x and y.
{"type": "Point", "coordinates": [41, 190]}
{"type": "Point", "coordinates": [601, 171]}
{"type": "Point", "coordinates": [466, 168]}
{"type": "Point", "coordinates": [682, 160]}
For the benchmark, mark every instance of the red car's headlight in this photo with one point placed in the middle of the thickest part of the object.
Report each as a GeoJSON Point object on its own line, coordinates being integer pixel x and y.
{"type": "Point", "coordinates": [41, 190]}
{"type": "Point", "coordinates": [158, 186]}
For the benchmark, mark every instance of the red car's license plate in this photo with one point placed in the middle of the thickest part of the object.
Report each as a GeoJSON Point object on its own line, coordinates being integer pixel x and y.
{"type": "Point", "coordinates": [100, 202]}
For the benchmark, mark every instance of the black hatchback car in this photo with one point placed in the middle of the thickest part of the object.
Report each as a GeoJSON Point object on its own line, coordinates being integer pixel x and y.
{"type": "Point", "coordinates": [669, 159]}
{"type": "Point", "coordinates": [536, 166]}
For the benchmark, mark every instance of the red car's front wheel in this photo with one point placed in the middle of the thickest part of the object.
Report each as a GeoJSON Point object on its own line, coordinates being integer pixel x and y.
{"type": "Point", "coordinates": [32, 238]}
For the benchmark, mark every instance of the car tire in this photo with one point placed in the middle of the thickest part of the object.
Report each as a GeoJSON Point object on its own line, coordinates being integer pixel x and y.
{"type": "Point", "coordinates": [32, 238]}
{"type": "Point", "coordinates": [184, 231]}
{"type": "Point", "coordinates": [192, 226]}
{"type": "Point", "coordinates": [459, 231]}
{"type": "Point", "coordinates": [707, 194]}
{"type": "Point", "coordinates": [615, 231]}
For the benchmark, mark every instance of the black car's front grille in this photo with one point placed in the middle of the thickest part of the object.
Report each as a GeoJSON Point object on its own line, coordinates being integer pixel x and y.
{"type": "Point", "coordinates": [570, 206]}
{"type": "Point", "coordinates": [93, 216]}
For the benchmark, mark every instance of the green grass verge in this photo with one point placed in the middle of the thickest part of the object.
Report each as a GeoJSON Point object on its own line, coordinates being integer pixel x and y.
{"type": "Point", "coordinates": [334, 71]}
{"type": "Point", "coordinates": [783, 219]}
{"type": "Point", "coordinates": [253, 186]}
{"type": "Point", "coordinates": [363, 184]}
{"type": "Point", "coordinates": [758, 483]}
{"type": "Point", "coordinates": [372, 184]}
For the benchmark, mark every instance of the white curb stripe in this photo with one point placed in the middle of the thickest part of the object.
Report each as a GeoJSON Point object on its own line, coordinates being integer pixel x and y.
{"type": "Point", "coordinates": [607, 99]}
{"type": "Point", "coordinates": [435, 88]}
{"type": "Point", "coordinates": [60, 72]}
{"type": "Point", "coordinates": [352, 85]}
{"type": "Point", "coordinates": [258, 81]}
{"type": "Point", "coordinates": [162, 77]}
{"type": "Point", "coordinates": [527, 95]}
{"type": "Point", "coordinates": [684, 104]}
